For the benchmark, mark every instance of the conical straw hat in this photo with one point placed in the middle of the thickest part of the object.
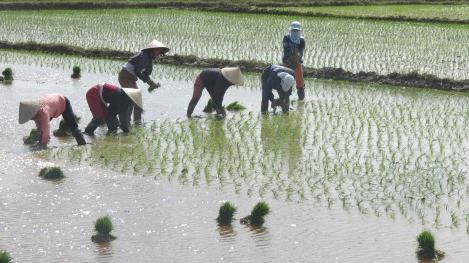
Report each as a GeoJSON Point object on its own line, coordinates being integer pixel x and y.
{"type": "Point", "coordinates": [135, 95]}
{"type": "Point", "coordinates": [156, 44]}
{"type": "Point", "coordinates": [28, 109]}
{"type": "Point", "coordinates": [233, 75]}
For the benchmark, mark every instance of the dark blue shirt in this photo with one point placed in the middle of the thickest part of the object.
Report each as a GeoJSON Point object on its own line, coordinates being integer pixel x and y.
{"type": "Point", "coordinates": [290, 48]}
{"type": "Point", "coordinates": [143, 65]}
{"type": "Point", "coordinates": [216, 84]}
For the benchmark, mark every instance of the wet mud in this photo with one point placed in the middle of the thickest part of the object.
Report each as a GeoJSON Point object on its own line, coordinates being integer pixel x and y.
{"type": "Point", "coordinates": [411, 79]}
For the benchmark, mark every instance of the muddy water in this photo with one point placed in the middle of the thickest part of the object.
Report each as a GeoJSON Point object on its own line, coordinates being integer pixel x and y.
{"type": "Point", "coordinates": [157, 220]}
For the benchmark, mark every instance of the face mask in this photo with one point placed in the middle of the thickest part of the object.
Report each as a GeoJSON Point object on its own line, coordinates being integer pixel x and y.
{"type": "Point", "coordinates": [295, 36]}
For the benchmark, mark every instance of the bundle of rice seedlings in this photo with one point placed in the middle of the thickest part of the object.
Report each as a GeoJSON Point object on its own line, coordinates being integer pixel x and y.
{"type": "Point", "coordinates": [5, 257]}
{"type": "Point", "coordinates": [53, 172]}
{"type": "Point", "coordinates": [226, 213]}
{"type": "Point", "coordinates": [103, 227]}
{"type": "Point", "coordinates": [426, 247]}
{"type": "Point", "coordinates": [235, 106]}
{"type": "Point", "coordinates": [258, 214]}
{"type": "Point", "coordinates": [63, 129]}
{"type": "Point", "coordinates": [76, 72]}
{"type": "Point", "coordinates": [210, 107]}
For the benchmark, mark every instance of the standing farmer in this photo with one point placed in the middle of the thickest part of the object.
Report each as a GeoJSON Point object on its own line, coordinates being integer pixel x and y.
{"type": "Point", "coordinates": [43, 110]}
{"type": "Point", "coordinates": [216, 81]}
{"type": "Point", "coordinates": [106, 101]}
{"type": "Point", "coordinates": [140, 67]}
{"type": "Point", "coordinates": [293, 47]}
{"type": "Point", "coordinates": [279, 78]}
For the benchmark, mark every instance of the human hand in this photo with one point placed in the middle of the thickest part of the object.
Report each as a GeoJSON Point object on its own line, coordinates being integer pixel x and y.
{"type": "Point", "coordinates": [153, 85]}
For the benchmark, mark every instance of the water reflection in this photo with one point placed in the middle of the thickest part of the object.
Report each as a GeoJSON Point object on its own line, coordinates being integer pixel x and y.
{"type": "Point", "coordinates": [103, 251]}
{"type": "Point", "coordinates": [227, 233]}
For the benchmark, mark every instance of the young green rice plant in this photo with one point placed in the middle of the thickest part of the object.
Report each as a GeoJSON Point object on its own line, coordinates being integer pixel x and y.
{"type": "Point", "coordinates": [258, 214]}
{"type": "Point", "coordinates": [5, 257]}
{"type": "Point", "coordinates": [426, 247]}
{"type": "Point", "coordinates": [210, 107]}
{"type": "Point", "coordinates": [53, 172]}
{"type": "Point", "coordinates": [226, 213]}
{"type": "Point", "coordinates": [103, 227]}
{"type": "Point", "coordinates": [63, 129]}
{"type": "Point", "coordinates": [76, 72]}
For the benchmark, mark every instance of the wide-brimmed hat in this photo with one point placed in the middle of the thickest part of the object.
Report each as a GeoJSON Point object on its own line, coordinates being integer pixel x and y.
{"type": "Point", "coordinates": [135, 95]}
{"type": "Point", "coordinates": [156, 44]}
{"type": "Point", "coordinates": [287, 81]}
{"type": "Point", "coordinates": [233, 75]}
{"type": "Point", "coordinates": [295, 26]}
{"type": "Point", "coordinates": [28, 109]}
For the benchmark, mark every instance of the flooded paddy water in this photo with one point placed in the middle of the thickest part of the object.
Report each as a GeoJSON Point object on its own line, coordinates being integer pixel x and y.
{"type": "Point", "coordinates": [353, 174]}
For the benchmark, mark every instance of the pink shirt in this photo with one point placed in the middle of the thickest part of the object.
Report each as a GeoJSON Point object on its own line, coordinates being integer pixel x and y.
{"type": "Point", "coordinates": [53, 105]}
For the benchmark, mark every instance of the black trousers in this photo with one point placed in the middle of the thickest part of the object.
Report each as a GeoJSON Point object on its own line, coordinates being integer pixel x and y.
{"type": "Point", "coordinates": [68, 116]}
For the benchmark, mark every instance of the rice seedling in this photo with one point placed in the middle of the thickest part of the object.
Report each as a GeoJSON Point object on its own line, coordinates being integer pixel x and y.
{"type": "Point", "coordinates": [76, 72]}
{"type": "Point", "coordinates": [63, 129]}
{"type": "Point", "coordinates": [226, 213]}
{"type": "Point", "coordinates": [426, 247]}
{"type": "Point", "coordinates": [258, 214]}
{"type": "Point", "coordinates": [33, 137]}
{"type": "Point", "coordinates": [5, 257]}
{"type": "Point", "coordinates": [53, 172]}
{"type": "Point", "coordinates": [103, 227]}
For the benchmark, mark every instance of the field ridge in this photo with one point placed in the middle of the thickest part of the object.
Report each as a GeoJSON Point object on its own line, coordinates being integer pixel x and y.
{"type": "Point", "coordinates": [410, 79]}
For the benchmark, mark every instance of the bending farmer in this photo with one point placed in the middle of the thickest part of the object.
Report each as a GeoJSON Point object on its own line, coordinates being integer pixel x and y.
{"type": "Point", "coordinates": [279, 78]}
{"type": "Point", "coordinates": [140, 67]}
{"type": "Point", "coordinates": [106, 101]}
{"type": "Point", "coordinates": [43, 110]}
{"type": "Point", "coordinates": [293, 47]}
{"type": "Point", "coordinates": [216, 81]}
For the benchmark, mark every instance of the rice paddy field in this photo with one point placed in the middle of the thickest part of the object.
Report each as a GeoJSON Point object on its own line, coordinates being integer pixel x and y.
{"type": "Point", "coordinates": [352, 174]}
{"type": "Point", "coordinates": [454, 12]}
{"type": "Point", "coordinates": [354, 45]}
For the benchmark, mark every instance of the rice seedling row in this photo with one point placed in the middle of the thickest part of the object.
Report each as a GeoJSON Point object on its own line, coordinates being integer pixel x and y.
{"type": "Point", "coordinates": [383, 152]}
{"type": "Point", "coordinates": [354, 45]}
{"type": "Point", "coordinates": [454, 12]}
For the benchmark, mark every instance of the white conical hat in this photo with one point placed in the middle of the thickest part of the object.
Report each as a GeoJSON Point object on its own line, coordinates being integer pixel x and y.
{"type": "Point", "coordinates": [156, 44]}
{"type": "Point", "coordinates": [233, 75]}
{"type": "Point", "coordinates": [135, 95]}
{"type": "Point", "coordinates": [28, 109]}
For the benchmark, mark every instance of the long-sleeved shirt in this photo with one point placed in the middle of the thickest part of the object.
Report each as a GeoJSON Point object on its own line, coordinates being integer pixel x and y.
{"type": "Point", "coordinates": [53, 105]}
{"type": "Point", "coordinates": [216, 84]}
{"type": "Point", "coordinates": [290, 48]}
{"type": "Point", "coordinates": [142, 65]}
{"type": "Point", "coordinates": [271, 81]}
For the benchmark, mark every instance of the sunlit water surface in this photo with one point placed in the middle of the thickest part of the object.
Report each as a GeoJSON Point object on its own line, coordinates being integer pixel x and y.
{"type": "Point", "coordinates": [157, 220]}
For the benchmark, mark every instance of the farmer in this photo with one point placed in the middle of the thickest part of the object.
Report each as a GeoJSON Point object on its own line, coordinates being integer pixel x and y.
{"type": "Point", "coordinates": [279, 78]}
{"type": "Point", "coordinates": [140, 67]}
{"type": "Point", "coordinates": [293, 47]}
{"type": "Point", "coordinates": [106, 101]}
{"type": "Point", "coordinates": [43, 110]}
{"type": "Point", "coordinates": [216, 81]}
